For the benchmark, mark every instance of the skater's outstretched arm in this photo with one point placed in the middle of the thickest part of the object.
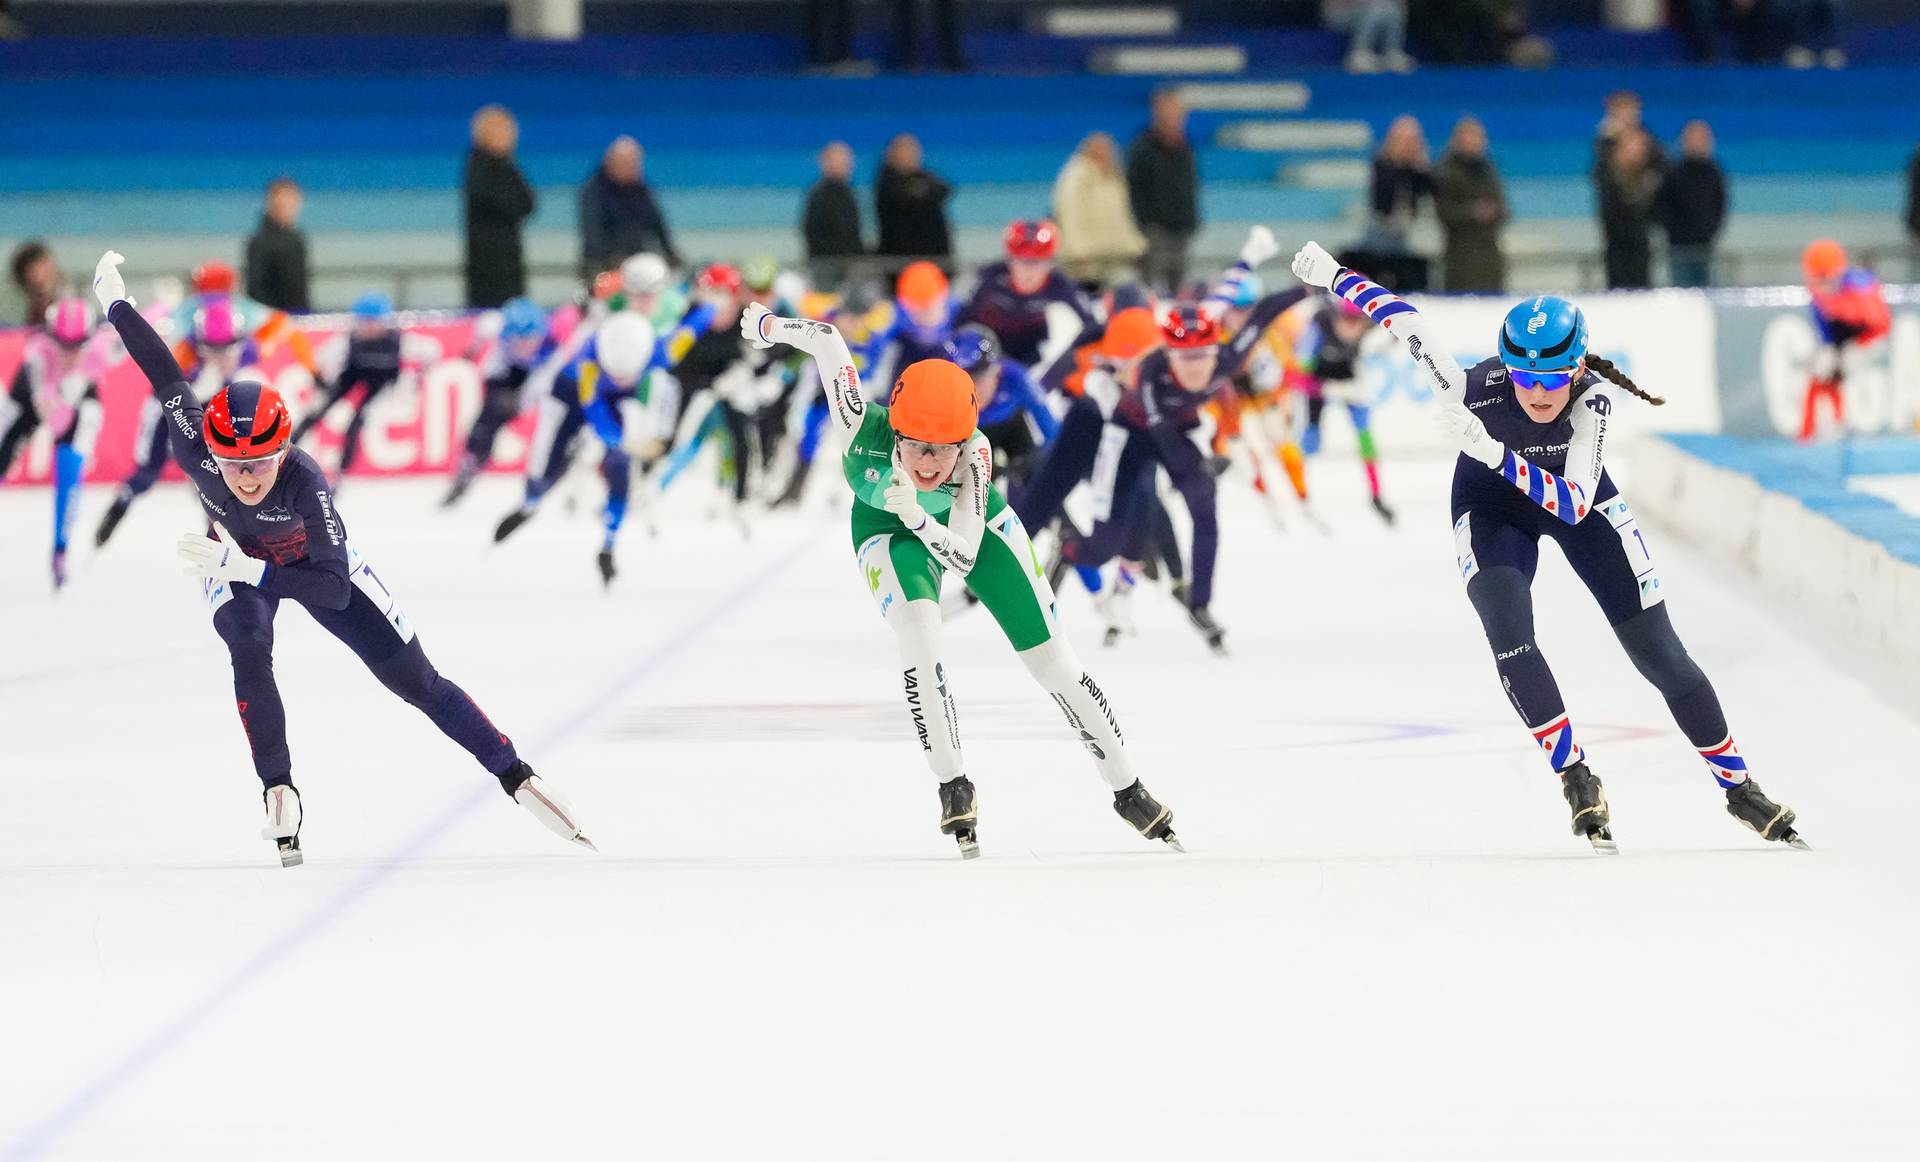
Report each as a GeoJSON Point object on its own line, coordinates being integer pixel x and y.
{"type": "Point", "coordinates": [846, 407]}
{"type": "Point", "coordinates": [183, 414]}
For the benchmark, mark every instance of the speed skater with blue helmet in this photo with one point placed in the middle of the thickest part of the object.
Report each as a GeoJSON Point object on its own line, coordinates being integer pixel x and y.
{"type": "Point", "coordinates": [371, 363]}
{"type": "Point", "coordinates": [1530, 424]}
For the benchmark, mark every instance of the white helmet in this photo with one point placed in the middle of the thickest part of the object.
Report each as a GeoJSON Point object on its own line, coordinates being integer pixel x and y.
{"type": "Point", "coordinates": [643, 273]}
{"type": "Point", "coordinates": [622, 346]}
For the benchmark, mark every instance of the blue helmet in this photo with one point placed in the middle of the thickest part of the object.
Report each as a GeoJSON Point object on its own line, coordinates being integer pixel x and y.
{"type": "Point", "coordinates": [973, 347]}
{"type": "Point", "coordinates": [372, 305]}
{"type": "Point", "coordinates": [520, 319]}
{"type": "Point", "coordinates": [1543, 334]}
{"type": "Point", "coordinates": [1238, 288]}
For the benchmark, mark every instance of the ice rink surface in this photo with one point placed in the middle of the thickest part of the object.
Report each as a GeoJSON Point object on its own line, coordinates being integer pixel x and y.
{"type": "Point", "coordinates": [1382, 943]}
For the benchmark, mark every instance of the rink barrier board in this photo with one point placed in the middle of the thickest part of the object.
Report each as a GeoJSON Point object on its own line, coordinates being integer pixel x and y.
{"type": "Point", "coordinates": [1781, 513]}
{"type": "Point", "coordinates": [416, 427]}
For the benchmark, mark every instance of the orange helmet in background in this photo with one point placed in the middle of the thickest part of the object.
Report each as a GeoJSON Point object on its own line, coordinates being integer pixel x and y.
{"type": "Point", "coordinates": [1130, 334]}
{"type": "Point", "coordinates": [1823, 260]}
{"type": "Point", "coordinates": [921, 284]}
{"type": "Point", "coordinates": [933, 400]}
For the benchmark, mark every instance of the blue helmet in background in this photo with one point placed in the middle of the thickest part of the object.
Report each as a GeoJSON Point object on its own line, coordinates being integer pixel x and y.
{"type": "Point", "coordinates": [1238, 288]}
{"type": "Point", "coordinates": [372, 305]}
{"type": "Point", "coordinates": [1543, 334]}
{"type": "Point", "coordinates": [520, 319]}
{"type": "Point", "coordinates": [973, 347]}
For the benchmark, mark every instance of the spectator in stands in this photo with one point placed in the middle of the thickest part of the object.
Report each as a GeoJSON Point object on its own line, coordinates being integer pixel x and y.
{"type": "Point", "coordinates": [618, 215]}
{"type": "Point", "coordinates": [1379, 36]}
{"type": "Point", "coordinates": [496, 200]}
{"type": "Point", "coordinates": [831, 222]}
{"type": "Point", "coordinates": [277, 252]}
{"type": "Point", "coordinates": [1692, 207]}
{"type": "Point", "coordinates": [1752, 23]}
{"type": "Point", "coordinates": [911, 204]}
{"type": "Point", "coordinates": [1813, 33]}
{"type": "Point", "coordinates": [1913, 199]}
{"type": "Point", "coordinates": [1098, 236]}
{"type": "Point", "coordinates": [1621, 117]}
{"type": "Point", "coordinates": [946, 31]}
{"type": "Point", "coordinates": [829, 32]}
{"type": "Point", "coordinates": [1402, 180]}
{"type": "Point", "coordinates": [1163, 184]}
{"type": "Point", "coordinates": [1628, 187]}
{"type": "Point", "coordinates": [1472, 206]}
{"type": "Point", "coordinates": [1479, 32]}
{"type": "Point", "coordinates": [37, 275]}
{"type": "Point", "coordinates": [10, 28]}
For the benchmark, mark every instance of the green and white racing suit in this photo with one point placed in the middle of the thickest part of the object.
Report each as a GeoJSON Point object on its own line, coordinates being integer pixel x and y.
{"type": "Point", "coordinates": [971, 532]}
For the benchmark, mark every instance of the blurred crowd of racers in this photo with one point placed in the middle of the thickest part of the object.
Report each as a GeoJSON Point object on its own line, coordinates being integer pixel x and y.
{"type": "Point", "coordinates": [644, 369]}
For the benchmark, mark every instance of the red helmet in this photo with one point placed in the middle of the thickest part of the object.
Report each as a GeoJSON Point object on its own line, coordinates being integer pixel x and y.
{"type": "Point", "coordinates": [1035, 240]}
{"type": "Point", "coordinates": [213, 278]}
{"type": "Point", "coordinates": [246, 420]}
{"type": "Point", "coordinates": [720, 277]}
{"type": "Point", "coordinates": [606, 284]}
{"type": "Point", "coordinates": [1189, 327]}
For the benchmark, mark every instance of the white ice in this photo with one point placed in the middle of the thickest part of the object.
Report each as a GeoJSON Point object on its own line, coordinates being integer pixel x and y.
{"type": "Point", "coordinates": [1382, 944]}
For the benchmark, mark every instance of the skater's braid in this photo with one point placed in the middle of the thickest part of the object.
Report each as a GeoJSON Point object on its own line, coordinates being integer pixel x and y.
{"type": "Point", "coordinates": [1606, 369]}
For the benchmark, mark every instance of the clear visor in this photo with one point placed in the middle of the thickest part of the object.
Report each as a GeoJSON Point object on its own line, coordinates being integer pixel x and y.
{"type": "Point", "coordinates": [923, 448]}
{"type": "Point", "coordinates": [249, 465]}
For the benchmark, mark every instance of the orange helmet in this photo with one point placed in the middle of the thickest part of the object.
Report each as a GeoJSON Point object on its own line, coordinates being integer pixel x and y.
{"type": "Point", "coordinates": [1130, 333]}
{"type": "Point", "coordinates": [933, 400]}
{"type": "Point", "coordinates": [606, 284]}
{"type": "Point", "coordinates": [921, 284]}
{"type": "Point", "coordinates": [1823, 260]}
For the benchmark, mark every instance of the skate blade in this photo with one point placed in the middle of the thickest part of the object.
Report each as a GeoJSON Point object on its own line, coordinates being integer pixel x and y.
{"type": "Point", "coordinates": [291, 856]}
{"type": "Point", "coordinates": [1792, 839]}
{"type": "Point", "coordinates": [1603, 844]}
{"type": "Point", "coordinates": [583, 841]}
{"type": "Point", "coordinates": [1173, 841]}
{"type": "Point", "coordinates": [969, 845]}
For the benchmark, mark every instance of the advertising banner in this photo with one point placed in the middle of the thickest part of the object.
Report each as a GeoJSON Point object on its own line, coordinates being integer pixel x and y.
{"type": "Point", "coordinates": [414, 427]}
{"type": "Point", "coordinates": [1765, 343]}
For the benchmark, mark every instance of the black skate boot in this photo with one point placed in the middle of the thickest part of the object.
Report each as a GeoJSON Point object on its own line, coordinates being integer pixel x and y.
{"type": "Point", "coordinates": [463, 479]}
{"type": "Point", "coordinates": [957, 815]}
{"type": "Point", "coordinates": [1750, 805]}
{"type": "Point", "coordinates": [283, 822]}
{"type": "Point", "coordinates": [607, 571]}
{"type": "Point", "coordinates": [1386, 514]}
{"type": "Point", "coordinates": [1210, 629]}
{"type": "Point", "coordinates": [511, 523]}
{"type": "Point", "coordinates": [111, 521]}
{"type": "Point", "coordinates": [1145, 814]}
{"type": "Point", "coordinates": [1587, 799]}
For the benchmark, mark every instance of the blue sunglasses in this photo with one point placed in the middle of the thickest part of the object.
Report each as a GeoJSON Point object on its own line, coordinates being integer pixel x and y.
{"type": "Point", "coordinates": [1547, 380]}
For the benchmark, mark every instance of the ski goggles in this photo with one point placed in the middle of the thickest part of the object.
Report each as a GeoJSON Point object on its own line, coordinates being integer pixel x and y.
{"type": "Point", "coordinates": [251, 465]}
{"type": "Point", "coordinates": [1541, 380]}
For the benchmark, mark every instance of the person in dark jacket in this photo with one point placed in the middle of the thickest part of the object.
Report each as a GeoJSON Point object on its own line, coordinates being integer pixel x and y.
{"type": "Point", "coordinates": [497, 199]}
{"type": "Point", "coordinates": [1472, 206]}
{"type": "Point", "coordinates": [911, 203]}
{"type": "Point", "coordinates": [1913, 199]}
{"type": "Point", "coordinates": [1163, 183]}
{"type": "Point", "coordinates": [1628, 188]}
{"type": "Point", "coordinates": [619, 217]}
{"type": "Point", "coordinates": [1693, 207]}
{"type": "Point", "coordinates": [831, 222]}
{"type": "Point", "coordinates": [277, 252]}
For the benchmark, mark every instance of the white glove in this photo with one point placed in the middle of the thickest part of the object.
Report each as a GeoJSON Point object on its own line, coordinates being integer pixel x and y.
{"type": "Point", "coordinates": [1259, 247]}
{"type": "Point", "coordinates": [1104, 390]}
{"type": "Point", "coordinates": [220, 560]}
{"type": "Point", "coordinates": [1463, 430]}
{"type": "Point", "coordinates": [108, 286]}
{"type": "Point", "coordinates": [903, 501]}
{"type": "Point", "coordinates": [754, 328]}
{"type": "Point", "coordinates": [1315, 267]}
